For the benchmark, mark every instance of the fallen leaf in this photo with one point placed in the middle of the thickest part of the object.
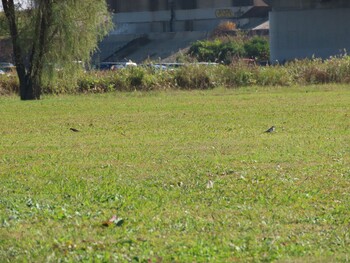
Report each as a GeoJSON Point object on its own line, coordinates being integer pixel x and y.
{"type": "Point", "coordinates": [114, 220]}
{"type": "Point", "coordinates": [110, 221]}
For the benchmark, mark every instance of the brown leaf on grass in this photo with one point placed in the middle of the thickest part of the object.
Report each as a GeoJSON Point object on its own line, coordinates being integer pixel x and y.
{"type": "Point", "coordinates": [110, 221]}
{"type": "Point", "coordinates": [114, 220]}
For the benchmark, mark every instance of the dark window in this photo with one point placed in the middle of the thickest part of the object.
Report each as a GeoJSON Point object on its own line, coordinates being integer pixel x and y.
{"type": "Point", "coordinates": [189, 25]}
{"type": "Point", "coordinates": [153, 5]}
{"type": "Point", "coordinates": [242, 2]}
{"type": "Point", "coordinates": [186, 4]}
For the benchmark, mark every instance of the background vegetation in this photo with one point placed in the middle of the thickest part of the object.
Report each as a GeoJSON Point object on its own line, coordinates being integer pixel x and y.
{"type": "Point", "coordinates": [228, 49]}
{"type": "Point", "coordinates": [4, 32]}
{"type": "Point", "coordinates": [196, 76]}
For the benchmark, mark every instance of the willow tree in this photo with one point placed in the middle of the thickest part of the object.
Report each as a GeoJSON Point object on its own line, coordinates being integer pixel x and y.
{"type": "Point", "coordinates": [52, 35]}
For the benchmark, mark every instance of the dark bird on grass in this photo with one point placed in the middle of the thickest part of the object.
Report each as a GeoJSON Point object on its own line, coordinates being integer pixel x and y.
{"type": "Point", "coordinates": [74, 130]}
{"type": "Point", "coordinates": [271, 129]}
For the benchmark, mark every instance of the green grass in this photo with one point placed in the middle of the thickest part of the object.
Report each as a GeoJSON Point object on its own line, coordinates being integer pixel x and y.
{"type": "Point", "coordinates": [149, 158]}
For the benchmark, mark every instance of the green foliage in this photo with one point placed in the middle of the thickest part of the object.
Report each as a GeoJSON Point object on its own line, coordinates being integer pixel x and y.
{"type": "Point", "coordinates": [8, 84]}
{"type": "Point", "coordinates": [316, 71]}
{"type": "Point", "coordinates": [53, 36]}
{"type": "Point", "coordinates": [193, 77]}
{"type": "Point", "coordinates": [274, 76]}
{"type": "Point", "coordinates": [77, 38]}
{"type": "Point", "coordinates": [230, 49]}
{"type": "Point", "coordinates": [4, 30]}
{"type": "Point", "coordinates": [257, 48]}
{"type": "Point", "coordinates": [216, 51]}
{"type": "Point", "coordinates": [206, 50]}
{"type": "Point", "coordinates": [189, 175]}
{"type": "Point", "coordinates": [196, 76]}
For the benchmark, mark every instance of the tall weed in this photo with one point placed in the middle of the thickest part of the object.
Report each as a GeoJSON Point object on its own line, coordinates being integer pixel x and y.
{"type": "Point", "coordinates": [273, 76]}
{"type": "Point", "coordinates": [196, 76]}
{"type": "Point", "coordinates": [9, 84]}
{"type": "Point", "coordinates": [193, 77]}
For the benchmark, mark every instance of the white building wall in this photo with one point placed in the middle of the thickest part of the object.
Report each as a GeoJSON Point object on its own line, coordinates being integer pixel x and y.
{"type": "Point", "coordinates": [310, 32]}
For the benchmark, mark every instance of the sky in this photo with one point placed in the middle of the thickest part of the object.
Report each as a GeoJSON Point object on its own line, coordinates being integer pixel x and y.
{"type": "Point", "coordinates": [24, 2]}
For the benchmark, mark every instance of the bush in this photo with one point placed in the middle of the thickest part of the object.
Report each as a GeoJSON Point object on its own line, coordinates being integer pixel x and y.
{"type": "Point", "coordinates": [238, 74]}
{"type": "Point", "coordinates": [257, 48]}
{"type": "Point", "coordinates": [230, 49]}
{"type": "Point", "coordinates": [338, 69]}
{"type": "Point", "coordinates": [9, 84]}
{"type": "Point", "coordinates": [193, 77]}
{"type": "Point", "coordinates": [206, 50]}
{"type": "Point", "coordinates": [96, 82]}
{"type": "Point", "coordinates": [273, 76]}
{"type": "Point", "coordinates": [223, 28]}
{"type": "Point", "coordinates": [216, 51]}
{"type": "Point", "coordinates": [308, 71]}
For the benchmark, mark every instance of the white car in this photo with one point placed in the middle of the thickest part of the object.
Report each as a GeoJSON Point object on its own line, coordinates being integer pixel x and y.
{"type": "Point", "coordinates": [130, 64]}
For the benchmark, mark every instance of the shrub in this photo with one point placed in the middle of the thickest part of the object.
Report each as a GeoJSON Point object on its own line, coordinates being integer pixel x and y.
{"type": "Point", "coordinates": [257, 48]}
{"type": "Point", "coordinates": [193, 77]}
{"type": "Point", "coordinates": [223, 28]}
{"type": "Point", "coordinates": [338, 69]}
{"type": "Point", "coordinates": [206, 50]}
{"type": "Point", "coordinates": [273, 76]}
{"type": "Point", "coordinates": [217, 50]}
{"type": "Point", "coordinates": [316, 75]}
{"type": "Point", "coordinates": [96, 82]}
{"type": "Point", "coordinates": [237, 74]}
{"type": "Point", "coordinates": [230, 49]}
{"type": "Point", "coordinates": [9, 84]}
{"type": "Point", "coordinates": [138, 78]}
{"type": "Point", "coordinates": [196, 76]}
{"type": "Point", "coordinates": [308, 71]}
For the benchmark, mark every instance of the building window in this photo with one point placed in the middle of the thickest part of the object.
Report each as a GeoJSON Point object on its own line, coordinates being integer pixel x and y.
{"type": "Point", "coordinates": [189, 25]}
{"type": "Point", "coordinates": [153, 5]}
{"type": "Point", "coordinates": [242, 2]}
{"type": "Point", "coordinates": [187, 4]}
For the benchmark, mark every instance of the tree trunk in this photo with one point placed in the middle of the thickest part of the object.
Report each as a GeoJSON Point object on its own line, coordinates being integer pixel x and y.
{"type": "Point", "coordinates": [26, 87]}
{"type": "Point", "coordinates": [28, 90]}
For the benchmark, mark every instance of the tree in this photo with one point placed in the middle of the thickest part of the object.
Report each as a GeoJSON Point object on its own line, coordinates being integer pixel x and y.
{"type": "Point", "coordinates": [48, 35]}
{"type": "Point", "coordinates": [3, 26]}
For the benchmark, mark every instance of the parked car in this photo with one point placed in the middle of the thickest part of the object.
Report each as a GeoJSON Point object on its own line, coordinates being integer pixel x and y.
{"type": "Point", "coordinates": [114, 65]}
{"type": "Point", "coordinates": [6, 64]}
{"type": "Point", "coordinates": [105, 65]}
{"type": "Point", "coordinates": [7, 67]}
{"type": "Point", "coordinates": [130, 64]}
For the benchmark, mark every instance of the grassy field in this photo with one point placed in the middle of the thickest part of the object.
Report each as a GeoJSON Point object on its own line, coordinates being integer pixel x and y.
{"type": "Point", "coordinates": [190, 176]}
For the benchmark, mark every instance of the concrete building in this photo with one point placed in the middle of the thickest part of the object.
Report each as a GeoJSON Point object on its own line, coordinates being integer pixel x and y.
{"type": "Point", "coordinates": [306, 28]}
{"type": "Point", "coordinates": [145, 16]}
{"type": "Point", "coordinates": [156, 28]}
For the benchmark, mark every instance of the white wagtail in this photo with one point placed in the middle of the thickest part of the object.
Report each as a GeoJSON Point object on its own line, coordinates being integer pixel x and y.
{"type": "Point", "coordinates": [271, 129]}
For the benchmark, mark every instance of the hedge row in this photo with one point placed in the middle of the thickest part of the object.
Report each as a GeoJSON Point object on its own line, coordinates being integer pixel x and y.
{"type": "Point", "coordinates": [303, 72]}
{"type": "Point", "coordinates": [229, 49]}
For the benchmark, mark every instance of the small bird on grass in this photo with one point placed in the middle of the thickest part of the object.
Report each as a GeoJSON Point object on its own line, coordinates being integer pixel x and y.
{"type": "Point", "coordinates": [74, 130]}
{"type": "Point", "coordinates": [271, 129]}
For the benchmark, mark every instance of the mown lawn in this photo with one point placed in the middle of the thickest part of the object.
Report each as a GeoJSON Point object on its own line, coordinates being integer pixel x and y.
{"type": "Point", "coordinates": [190, 176]}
